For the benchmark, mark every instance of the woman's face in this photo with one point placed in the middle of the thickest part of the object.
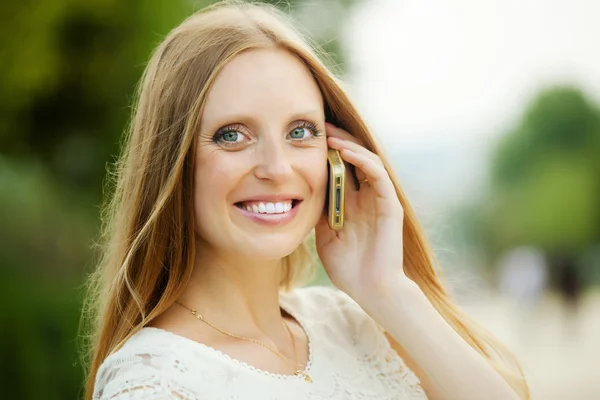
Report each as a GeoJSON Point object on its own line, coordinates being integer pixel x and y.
{"type": "Point", "coordinates": [261, 166]}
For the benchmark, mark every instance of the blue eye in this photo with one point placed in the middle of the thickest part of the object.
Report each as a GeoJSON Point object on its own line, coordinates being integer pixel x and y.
{"type": "Point", "coordinates": [230, 136]}
{"type": "Point", "coordinates": [298, 133]}
{"type": "Point", "coordinates": [305, 131]}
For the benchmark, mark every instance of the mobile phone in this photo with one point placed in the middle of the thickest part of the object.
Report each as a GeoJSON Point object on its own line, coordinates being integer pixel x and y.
{"type": "Point", "coordinates": [335, 196]}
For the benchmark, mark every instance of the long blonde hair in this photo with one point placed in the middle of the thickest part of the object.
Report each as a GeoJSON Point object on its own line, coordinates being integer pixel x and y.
{"type": "Point", "coordinates": [148, 224]}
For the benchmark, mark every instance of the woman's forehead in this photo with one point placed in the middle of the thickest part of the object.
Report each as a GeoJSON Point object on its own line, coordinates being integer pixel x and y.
{"type": "Point", "coordinates": [261, 83]}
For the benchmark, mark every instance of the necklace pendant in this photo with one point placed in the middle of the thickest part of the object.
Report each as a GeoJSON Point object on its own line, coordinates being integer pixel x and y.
{"type": "Point", "coordinates": [304, 375]}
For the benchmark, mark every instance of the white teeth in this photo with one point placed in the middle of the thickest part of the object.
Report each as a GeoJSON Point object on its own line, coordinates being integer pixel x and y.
{"type": "Point", "coordinates": [269, 208]}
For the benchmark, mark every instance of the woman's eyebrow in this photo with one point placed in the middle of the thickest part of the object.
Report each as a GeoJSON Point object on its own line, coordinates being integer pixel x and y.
{"type": "Point", "coordinates": [313, 113]}
{"type": "Point", "coordinates": [251, 120]}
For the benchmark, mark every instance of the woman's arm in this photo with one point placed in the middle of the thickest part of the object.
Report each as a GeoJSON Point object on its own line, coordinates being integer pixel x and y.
{"type": "Point", "coordinates": [365, 259]}
{"type": "Point", "coordinates": [448, 367]}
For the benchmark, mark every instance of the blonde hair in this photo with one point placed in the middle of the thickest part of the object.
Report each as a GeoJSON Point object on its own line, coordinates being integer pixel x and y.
{"type": "Point", "coordinates": [148, 224]}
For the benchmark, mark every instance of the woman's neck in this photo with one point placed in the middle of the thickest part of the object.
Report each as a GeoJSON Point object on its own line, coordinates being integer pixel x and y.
{"type": "Point", "coordinates": [237, 294]}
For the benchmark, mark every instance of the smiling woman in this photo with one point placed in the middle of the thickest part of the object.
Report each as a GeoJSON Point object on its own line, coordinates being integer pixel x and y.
{"type": "Point", "coordinates": [222, 179]}
{"type": "Point", "coordinates": [267, 157]}
{"type": "Point", "coordinates": [264, 162]}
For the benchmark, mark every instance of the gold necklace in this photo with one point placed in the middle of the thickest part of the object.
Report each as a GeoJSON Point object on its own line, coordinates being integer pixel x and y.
{"type": "Point", "coordinates": [300, 369]}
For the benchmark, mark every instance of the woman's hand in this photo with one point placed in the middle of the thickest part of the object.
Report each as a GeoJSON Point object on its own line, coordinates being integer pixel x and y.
{"type": "Point", "coordinates": [364, 259]}
{"type": "Point", "coordinates": [366, 254]}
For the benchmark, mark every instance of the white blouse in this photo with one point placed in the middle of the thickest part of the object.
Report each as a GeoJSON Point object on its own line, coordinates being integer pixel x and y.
{"type": "Point", "coordinates": [349, 358]}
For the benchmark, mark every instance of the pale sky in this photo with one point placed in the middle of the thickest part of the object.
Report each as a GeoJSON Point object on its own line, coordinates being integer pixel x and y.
{"type": "Point", "coordinates": [439, 81]}
{"type": "Point", "coordinates": [456, 70]}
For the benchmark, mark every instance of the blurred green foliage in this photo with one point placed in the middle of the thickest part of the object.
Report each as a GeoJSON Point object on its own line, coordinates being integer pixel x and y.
{"type": "Point", "coordinates": [68, 71]}
{"type": "Point", "coordinates": [546, 175]}
{"type": "Point", "coordinates": [545, 181]}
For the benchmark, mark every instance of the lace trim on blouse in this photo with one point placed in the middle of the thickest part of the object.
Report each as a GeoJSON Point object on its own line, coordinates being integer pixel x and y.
{"type": "Point", "coordinates": [349, 358]}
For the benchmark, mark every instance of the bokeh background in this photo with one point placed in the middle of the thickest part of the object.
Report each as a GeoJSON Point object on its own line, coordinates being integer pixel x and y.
{"type": "Point", "coordinates": [489, 111]}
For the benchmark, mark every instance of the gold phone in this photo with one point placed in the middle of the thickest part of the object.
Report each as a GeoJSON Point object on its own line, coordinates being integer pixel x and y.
{"type": "Point", "coordinates": [335, 197]}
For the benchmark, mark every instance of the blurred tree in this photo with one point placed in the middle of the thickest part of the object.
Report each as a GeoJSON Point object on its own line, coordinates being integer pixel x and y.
{"type": "Point", "coordinates": [546, 179]}
{"type": "Point", "coordinates": [68, 69]}
{"type": "Point", "coordinates": [562, 122]}
{"type": "Point", "coordinates": [70, 66]}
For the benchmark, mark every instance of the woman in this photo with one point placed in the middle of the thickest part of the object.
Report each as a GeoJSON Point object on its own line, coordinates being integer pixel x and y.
{"type": "Point", "coordinates": [222, 180]}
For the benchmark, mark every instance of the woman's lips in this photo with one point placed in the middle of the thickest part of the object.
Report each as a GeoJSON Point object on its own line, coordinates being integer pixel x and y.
{"type": "Point", "coordinates": [272, 214]}
{"type": "Point", "coordinates": [267, 207]}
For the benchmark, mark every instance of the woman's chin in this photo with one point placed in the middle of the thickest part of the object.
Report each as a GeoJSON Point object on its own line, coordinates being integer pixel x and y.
{"type": "Point", "coordinates": [273, 250]}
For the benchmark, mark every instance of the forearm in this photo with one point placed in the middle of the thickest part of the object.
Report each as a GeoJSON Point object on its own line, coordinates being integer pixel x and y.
{"type": "Point", "coordinates": [454, 369]}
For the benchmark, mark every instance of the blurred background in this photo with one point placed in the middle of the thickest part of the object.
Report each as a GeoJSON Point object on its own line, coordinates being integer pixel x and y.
{"type": "Point", "coordinates": [489, 111]}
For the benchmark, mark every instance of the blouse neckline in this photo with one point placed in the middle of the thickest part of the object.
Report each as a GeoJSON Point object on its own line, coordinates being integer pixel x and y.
{"type": "Point", "coordinates": [285, 307]}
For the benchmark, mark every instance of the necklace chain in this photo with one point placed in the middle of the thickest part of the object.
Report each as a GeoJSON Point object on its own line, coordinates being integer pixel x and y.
{"type": "Point", "coordinates": [299, 371]}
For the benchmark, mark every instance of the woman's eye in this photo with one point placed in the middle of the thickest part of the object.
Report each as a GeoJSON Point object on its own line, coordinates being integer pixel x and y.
{"type": "Point", "coordinates": [230, 136]}
{"type": "Point", "coordinates": [299, 133]}
{"type": "Point", "coordinates": [305, 131]}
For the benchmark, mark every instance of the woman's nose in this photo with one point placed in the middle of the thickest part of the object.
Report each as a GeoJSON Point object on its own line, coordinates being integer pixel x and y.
{"type": "Point", "coordinates": [273, 162]}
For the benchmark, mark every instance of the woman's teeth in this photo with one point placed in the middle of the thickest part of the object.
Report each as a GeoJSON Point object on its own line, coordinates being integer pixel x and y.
{"type": "Point", "coordinates": [268, 208]}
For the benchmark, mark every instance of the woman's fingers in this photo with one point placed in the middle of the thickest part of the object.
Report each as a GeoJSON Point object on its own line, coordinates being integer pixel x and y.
{"type": "Point", "coordinates": [375, 173]}
{"type": "Point", "coordinates": [338, 139]}
{"type": "Point", "coordinates": [334, 131]}
{"type": "Point", "coordinates": [339, 144]}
